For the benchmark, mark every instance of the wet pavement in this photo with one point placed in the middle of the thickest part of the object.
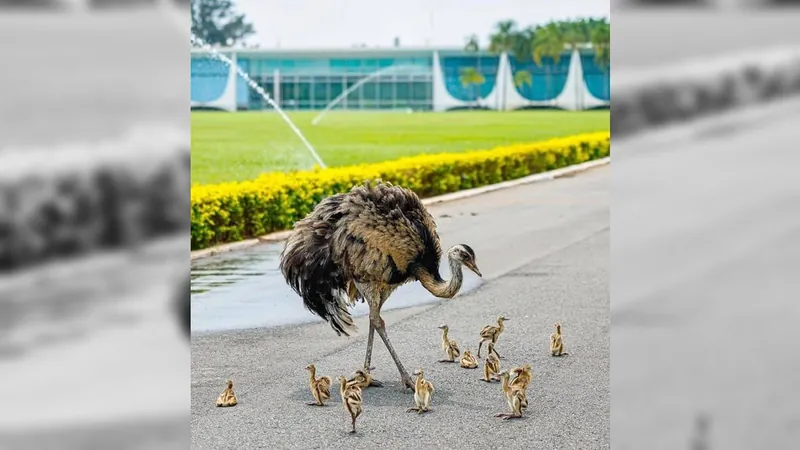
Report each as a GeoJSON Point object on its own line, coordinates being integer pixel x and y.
{"type": "Point", "coordinates": [245, 289]}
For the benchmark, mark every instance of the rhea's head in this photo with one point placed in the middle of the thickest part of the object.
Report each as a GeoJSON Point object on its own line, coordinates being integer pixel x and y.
{"type": "Point", "coordinates": [443, 327]}
{"type": "Point", "coordinates": [311, 368]}
{"type": "Point", "coordinates": [230, 384]}
{"type": "Point", "coordinates": [464, 254]}
{"type": "Point", "coordinates": [418, 372]}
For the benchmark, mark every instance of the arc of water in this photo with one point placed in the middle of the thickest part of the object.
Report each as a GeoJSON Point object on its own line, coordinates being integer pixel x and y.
{"type": "Point", "coordinates": [199, 41]}
{"type": "Point", "coordinates": [352, 88]}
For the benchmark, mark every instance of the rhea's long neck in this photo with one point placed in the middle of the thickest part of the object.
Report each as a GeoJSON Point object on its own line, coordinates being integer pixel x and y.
{"type": "Point", "coordinates": [442, 288]}
{"type": "Point", "coordinates": [444, 335]}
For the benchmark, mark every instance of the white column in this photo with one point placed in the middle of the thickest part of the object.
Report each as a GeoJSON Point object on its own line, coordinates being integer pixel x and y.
{"type": "Point", "coordinates": [276, 86]}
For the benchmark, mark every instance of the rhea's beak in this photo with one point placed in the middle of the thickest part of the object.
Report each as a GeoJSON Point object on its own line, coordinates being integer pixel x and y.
{"type": "Point", "coordinates": [471, 266]}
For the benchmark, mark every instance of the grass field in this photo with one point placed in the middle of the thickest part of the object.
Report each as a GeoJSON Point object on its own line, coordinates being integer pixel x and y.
{"type": "Point", "coordinates": [241, 146]}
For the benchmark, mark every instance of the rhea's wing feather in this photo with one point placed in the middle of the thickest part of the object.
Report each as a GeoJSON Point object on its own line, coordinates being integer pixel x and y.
{"type": "Point", "coordinates": [488, 331]}
{"type": "Point", "coordinates": [387, 232]}
{"type": "Point", "coordinates": [454, 345]}
{"type": "Point", "coordinates": [311, 266]}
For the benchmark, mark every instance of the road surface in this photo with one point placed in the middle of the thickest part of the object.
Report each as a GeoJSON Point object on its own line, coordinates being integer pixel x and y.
{"type": "Point", "coordinates": [704, 305]}
{"type": "Point", "coordinates": [543, 249]}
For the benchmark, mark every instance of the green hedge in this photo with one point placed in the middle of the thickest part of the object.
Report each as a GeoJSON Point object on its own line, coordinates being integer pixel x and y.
{"type": "Point", "coordinates": [232, 212]}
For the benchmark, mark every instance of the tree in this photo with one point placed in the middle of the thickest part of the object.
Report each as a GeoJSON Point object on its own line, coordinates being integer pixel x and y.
{"type": "Point", "coordinates": [218, 23]}
{"type": "Point", "coordinates": [473, 44]}
{"type": "Point", "coordinates": [504, 37]}
{"type": "Point", "coordinates": [549, 41]}
{"type": "Point", "coordinates": [523, 77]}
{"type": "Point", "coordinates": [471, 78]}
{"type": "Point", "coordinates": [601, 43]}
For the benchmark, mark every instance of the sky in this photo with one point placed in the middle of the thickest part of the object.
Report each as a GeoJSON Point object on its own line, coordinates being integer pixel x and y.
{"type": "Point", "coordinates": [295, 24]}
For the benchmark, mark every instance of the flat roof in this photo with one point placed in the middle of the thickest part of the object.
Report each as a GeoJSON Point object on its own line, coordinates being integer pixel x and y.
{"type": "Point", "coordinates": [359, 52]}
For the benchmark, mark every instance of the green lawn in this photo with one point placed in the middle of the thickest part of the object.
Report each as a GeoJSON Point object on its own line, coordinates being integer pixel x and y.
{"type": "Point", "coordinates": [240, 146]}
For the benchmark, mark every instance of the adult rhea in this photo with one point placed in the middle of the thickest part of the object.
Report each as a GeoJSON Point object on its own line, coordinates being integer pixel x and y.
{"type": "Point", "coordinates": [361, 246]}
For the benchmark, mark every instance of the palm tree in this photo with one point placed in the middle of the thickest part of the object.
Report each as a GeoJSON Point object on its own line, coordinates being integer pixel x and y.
{"type": "Point", "coordinates": [473, 44]}
{"type": "Point", "coordinates": [471, 78]}
{"type": "Point", "coordinates": [601, 43]}
{"type": "Point", "coordinates": [523, 77]}
{"type": "Point", "coordinates": [549, 41]}
{"type": "Point", "coordinates": [504, 37]}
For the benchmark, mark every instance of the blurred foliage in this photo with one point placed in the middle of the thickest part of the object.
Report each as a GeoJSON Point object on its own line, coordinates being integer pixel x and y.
{"type": "Point", "coordinates": [51, 210]}
{"type": "Point", "coordinates": [218, 23]}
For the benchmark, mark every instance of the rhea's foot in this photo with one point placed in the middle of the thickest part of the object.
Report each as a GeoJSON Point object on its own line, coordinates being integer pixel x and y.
{"type": "Point", "coordinates": [447, 360]}
{"type": "Point", "coordinates": [412, 409]}
{"type": "Point", "coordinates": [511, 416]}
{"type": "Point", "coordinates": [315, 404]}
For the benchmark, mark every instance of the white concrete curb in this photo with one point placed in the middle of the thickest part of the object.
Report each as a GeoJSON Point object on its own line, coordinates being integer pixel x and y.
{"type": "Point", "coordinates": [535, 178]}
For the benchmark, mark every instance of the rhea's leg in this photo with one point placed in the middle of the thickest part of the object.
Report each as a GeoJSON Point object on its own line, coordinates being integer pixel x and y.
{"type": "Point", "coordinates": [368, 358]}
{"type": "Point", "coordinates": [380, 327]}
{"type": "Point", "coordinates": [370, 340]}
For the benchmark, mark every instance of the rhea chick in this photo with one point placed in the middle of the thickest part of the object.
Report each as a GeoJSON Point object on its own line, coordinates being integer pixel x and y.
{"type": "Point", "coordinates": [320, 387]}
{"type": "Point", "coordinates": [491, 333]}
{"type": "Point", "coordinates": [449, 346]}
{"type": "Point", "coordinates": [491, 366]}
{"type": "Point", "coordinates": [228, 396]}
{"type": "Point", "coordinates": [468, 360]}
{"type": "Point", "coordinates": [423, 390]}
{"type": "Point", "coordinates": [351, 399]}
{"type": "Point", "coordinates": [522, 376]}
{"type": "Point", "coordinates": [557, 342]}
{"type": "Point", "coordinates": [363, 379]}
{"type": "Point", "coordinates": [515, 397]}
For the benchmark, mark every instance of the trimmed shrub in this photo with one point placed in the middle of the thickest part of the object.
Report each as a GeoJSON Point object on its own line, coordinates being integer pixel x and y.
{"type": "Point", "coordinates": [236, 211]}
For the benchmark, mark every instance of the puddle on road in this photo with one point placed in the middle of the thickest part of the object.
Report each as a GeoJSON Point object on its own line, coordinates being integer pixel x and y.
{"type": "Point", "coordinates": [245, 289]}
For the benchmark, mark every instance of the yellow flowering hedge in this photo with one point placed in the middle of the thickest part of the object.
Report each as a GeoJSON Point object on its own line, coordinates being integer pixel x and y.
{"type": "Point", "coordinates": [236, 211]}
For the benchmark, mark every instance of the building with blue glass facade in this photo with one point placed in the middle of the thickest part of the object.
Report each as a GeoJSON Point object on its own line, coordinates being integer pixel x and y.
{"type": "Point", "coordinates": [398, 78]}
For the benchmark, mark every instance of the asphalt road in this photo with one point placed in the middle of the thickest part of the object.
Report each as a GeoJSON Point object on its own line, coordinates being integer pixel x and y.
{"type": "Point", "coordinates": [705, 253]}
{"type": "Point", "coordinates": [543, 249]}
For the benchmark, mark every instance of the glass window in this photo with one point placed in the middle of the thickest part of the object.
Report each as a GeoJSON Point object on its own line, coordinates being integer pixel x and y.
{"type": "Point", "coordinates": [369, 91]}
{"type": "Point", "coordinates": [403, 91]}
{"type": "Point", "coordinates": [421, 91]}
{"type": "Point", "coordinates": [321, 90]}
{"type": "Point", "coordinates": [304, 92]}
{"type": "Point", "coordinates": [386, 91]}
{"type": "Point", "coordinates": [336, 88]}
